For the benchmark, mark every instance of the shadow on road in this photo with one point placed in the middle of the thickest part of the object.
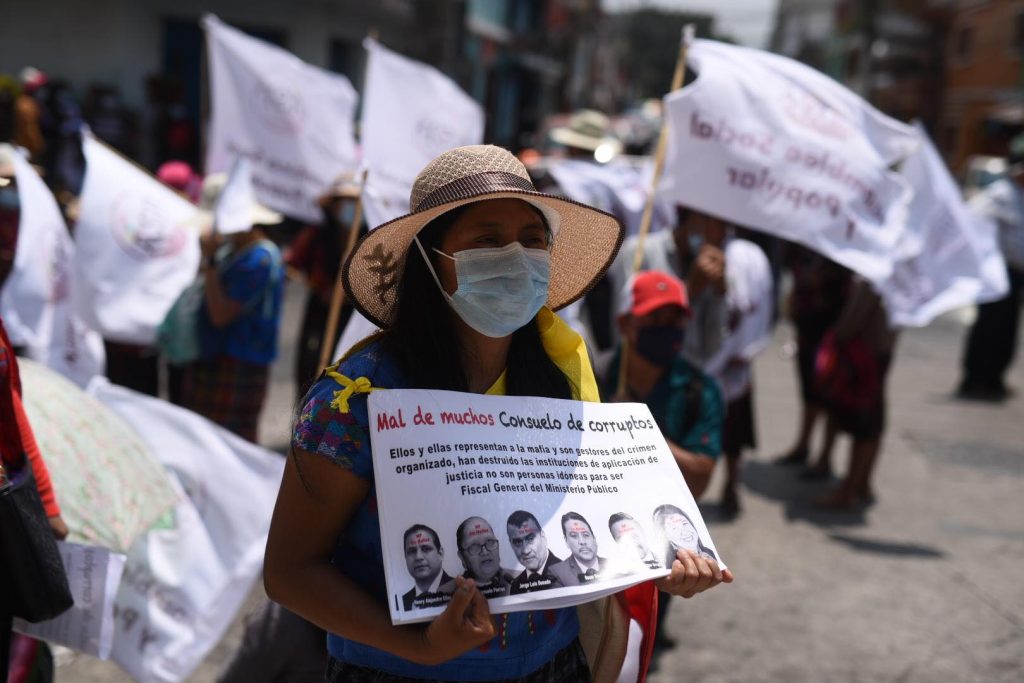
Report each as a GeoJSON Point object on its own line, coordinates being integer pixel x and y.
{"type": "Point", "coordinates": [783, 484]}
{"type": "Point", "coordinates": [891, 548]}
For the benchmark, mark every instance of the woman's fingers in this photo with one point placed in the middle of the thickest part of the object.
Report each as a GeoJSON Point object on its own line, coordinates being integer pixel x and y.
{"type": "Point", "coordinates": [462, 597]}
{"type": "Point", "coordinates": [693, 573]}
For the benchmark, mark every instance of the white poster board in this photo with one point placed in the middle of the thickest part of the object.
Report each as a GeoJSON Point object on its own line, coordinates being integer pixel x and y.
{"type": "Point", "coordinates": [94, 573]}
{"type": "Point", "coordinates": [463, 480]}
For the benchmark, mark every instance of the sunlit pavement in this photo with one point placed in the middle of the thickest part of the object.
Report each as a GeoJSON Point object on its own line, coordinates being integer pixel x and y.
{"type": "Point", "coordinates": [924, 586]}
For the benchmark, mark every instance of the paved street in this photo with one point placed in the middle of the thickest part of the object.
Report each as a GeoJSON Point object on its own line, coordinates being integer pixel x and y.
{"type": "Point", "coordinates": [923, 586]}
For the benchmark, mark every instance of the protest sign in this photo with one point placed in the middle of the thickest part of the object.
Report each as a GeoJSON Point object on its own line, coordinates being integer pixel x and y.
{"type": "Point", "coordinates": [772, 145]}
{"type": "Point", "coordinates": [292, 120]}
{"type": "Point", "coordinates": [185, 580]}
{"type": "Point", "coordinates": [545, 503]}
{"type": "Point", "coordinates": [36, 299]}
{"type": "Point", "coordinates": [94, 574]}
{"type": "Point", "coordinates": [411, 114]}
{"type": "Point", "coordinates": [949, 256]}
{"type": "Point", "coordinates": [135, 250]}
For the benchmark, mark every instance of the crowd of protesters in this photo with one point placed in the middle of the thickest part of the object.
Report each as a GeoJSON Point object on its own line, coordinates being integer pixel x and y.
{"type": "Point", "coordinates": [676, 319]}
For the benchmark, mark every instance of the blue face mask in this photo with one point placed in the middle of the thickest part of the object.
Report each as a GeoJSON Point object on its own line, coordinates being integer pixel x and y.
{"type": "Point", "coordinates": [499, 289]}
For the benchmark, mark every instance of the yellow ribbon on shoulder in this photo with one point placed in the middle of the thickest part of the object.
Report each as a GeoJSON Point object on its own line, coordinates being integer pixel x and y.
{"type": "Point", "coordinates": [564, 346]}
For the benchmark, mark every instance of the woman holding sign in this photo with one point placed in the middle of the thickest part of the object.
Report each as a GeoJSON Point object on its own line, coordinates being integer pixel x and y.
{"type": "Point", "coordinates": [464, 288]}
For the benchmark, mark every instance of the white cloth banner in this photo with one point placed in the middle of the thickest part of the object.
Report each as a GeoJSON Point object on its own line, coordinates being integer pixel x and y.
{"type": "Point", "coordinates": [411, 113]}
{"type": "Point", "coordinates": [94, 574]}
{"type": "Point", "coordinates": [186, 579]}
{"type": "Point", "coordinates": [618, 187]}
{"type": "Point", "coordinates": [36, 299]}
{"type": "Point", "coordinates": [136, 250]}
{"type": "Point", "coordinates": [595, 482]}
{"type": "Point", "coordinates": [949, 256]}
{"type": "Point", "coordinates": [292, 120]}
{"type": "Point", "coordinates": [233, 213]}
{"type": "Point", "coordinates": [773, 145]}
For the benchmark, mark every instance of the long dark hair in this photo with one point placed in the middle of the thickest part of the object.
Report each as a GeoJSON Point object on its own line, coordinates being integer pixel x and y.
{"type": "Point", "coordinates": [423, 342]}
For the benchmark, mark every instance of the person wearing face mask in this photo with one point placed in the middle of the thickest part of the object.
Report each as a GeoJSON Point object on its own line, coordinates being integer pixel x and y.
{"type": "Point", "coordinates": [686, 253]}
{"type": "Point", "coordinates": [315, 256]}
{"type": "Point", "coordinates": [464, 288]}
{"type": "Point", "coordinates": [685, 402]}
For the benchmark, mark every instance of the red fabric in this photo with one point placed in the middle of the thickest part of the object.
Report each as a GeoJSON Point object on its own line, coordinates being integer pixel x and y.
{"type": "Point", "coordinates": [641, 602]}
{"type": "Point", "coordinates": [35, 458]}
{"type": "Point", "coordinates": [847, 373]}
{"type": "Point", "coordinates": [16, 437]}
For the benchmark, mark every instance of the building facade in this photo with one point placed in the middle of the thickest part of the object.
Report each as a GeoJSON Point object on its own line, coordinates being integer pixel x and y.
{"type": "Point", "coordinates": [984, 85]}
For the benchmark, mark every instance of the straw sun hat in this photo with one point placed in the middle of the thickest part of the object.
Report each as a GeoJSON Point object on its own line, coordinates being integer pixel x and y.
{"type": "Point", "coordinates": [585, 240]}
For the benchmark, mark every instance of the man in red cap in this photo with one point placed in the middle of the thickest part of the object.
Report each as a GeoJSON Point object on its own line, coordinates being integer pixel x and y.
{"type": "Point", "coordinates": [685, 402]}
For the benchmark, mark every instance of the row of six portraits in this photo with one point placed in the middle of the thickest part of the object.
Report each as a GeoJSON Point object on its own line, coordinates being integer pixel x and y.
{"type": "Point", "coordinates": [479, 550]}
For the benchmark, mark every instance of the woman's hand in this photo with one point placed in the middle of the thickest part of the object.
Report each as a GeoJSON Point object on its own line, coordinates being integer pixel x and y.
{"type": "Point", "coordinates": [59, 528]}
{"type": "Point", "coordinates": [692, 574]}
{"type": "Point", "coordinates": [465, 623]}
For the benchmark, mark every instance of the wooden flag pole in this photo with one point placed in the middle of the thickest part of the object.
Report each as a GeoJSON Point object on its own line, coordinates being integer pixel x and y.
{"type": "Point", "coordinates": [659, 166]}
{"type": "Point", "coordinates": [338, 295]}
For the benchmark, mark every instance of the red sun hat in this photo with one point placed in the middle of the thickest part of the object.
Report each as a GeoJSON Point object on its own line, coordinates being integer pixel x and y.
{"type": "Point", "coordinates": [653, 289]}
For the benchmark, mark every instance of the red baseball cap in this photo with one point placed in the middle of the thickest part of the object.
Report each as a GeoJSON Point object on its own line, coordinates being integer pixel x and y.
{"type": "Point", "coordinates": [653, 289]}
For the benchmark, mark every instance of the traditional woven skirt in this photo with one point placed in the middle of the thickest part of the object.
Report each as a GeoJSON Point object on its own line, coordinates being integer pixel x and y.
{"type": "Point", "coordinates": [227, 391]}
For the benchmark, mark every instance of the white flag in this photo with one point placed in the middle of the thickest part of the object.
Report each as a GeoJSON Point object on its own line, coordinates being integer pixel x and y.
{"type": "Point", "coordinates": [234, 205]}
{"type": "Point", "coordinates": [35, 302]}
{"type": "Point", "coordinates": [411, 113]}
{"type": "Point", "coordinates": [136, 249]}
{"type": "Point", "coordinates": [772, 145]}
{"type": "Point", "coordinates": [618, 187]}
{"type": "Point", "coordinates": [292, 120]}
{"type": "Point", "coordinates": [186, 579]}
{"type": "Point", "coordinates": [949, 256]}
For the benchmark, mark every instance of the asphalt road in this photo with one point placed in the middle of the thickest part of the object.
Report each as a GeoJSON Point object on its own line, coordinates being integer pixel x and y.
{"type": "Point", "coordinates": [923, 586]}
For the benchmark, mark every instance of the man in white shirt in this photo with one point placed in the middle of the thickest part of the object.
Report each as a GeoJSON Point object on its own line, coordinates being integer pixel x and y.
{"type": "Point", "coordinates": [992, 342]}
{"type": "Point", "coordinates": [749, 309]}
{"type": "Point", "coordinates": [684, 252]}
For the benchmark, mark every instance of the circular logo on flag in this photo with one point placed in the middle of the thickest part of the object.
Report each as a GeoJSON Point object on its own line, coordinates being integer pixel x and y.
{"type": "Point", "coordinates": [142, 230]}
{"type": "Point", "coordinates": [279, 107]}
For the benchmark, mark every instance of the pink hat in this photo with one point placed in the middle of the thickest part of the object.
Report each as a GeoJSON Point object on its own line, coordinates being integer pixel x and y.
{"type": "Point", "coordinates": [179, 176]}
